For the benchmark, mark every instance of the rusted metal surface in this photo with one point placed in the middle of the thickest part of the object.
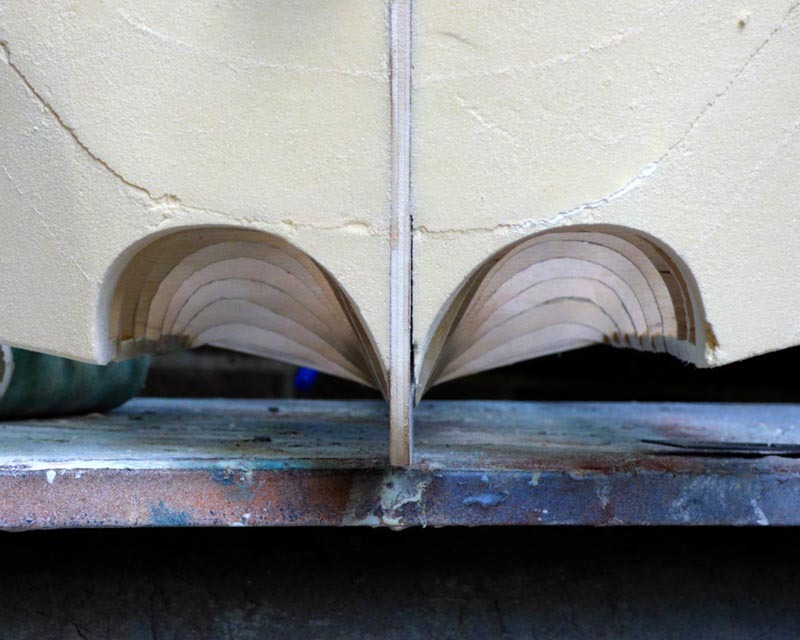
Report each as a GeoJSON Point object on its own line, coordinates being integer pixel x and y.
{"type": "Point", "coordinates": [249, 463]}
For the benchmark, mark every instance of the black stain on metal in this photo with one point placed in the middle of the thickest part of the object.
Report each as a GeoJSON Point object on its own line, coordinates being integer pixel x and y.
{"type": "Point", "coordinates": [237, 489]}
{"type": "Point", "coordinates": [225, 477]}
{"type": "Point", "coordinates": [708, 448]}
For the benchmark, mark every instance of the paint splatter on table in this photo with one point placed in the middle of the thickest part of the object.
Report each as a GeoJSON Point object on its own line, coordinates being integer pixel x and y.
{"type": "Point", "coordinates": [173, 462]}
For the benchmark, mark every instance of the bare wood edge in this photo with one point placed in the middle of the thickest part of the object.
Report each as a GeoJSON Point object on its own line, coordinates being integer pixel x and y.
{"type": "Point", "coordinates": [400, 377]}
{"type": "Point", "coordinates": [6, 368]}
{"type": "Point", "coordinates": [647, 301]}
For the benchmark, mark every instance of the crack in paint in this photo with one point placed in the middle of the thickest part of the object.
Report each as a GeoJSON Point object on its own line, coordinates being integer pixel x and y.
{"type": "Point", "coordinates": [636, 181]}
{"type": "Point", "coordinates": [165, 198]}
{"type": "Point", "coordinates": [485, 122]}
{"type": "Point", "coordinates": [535, 225]}
{"type": "Point", "coordinates": [565, 58]}
{"type": "Point", "coordinates": [166, 203]}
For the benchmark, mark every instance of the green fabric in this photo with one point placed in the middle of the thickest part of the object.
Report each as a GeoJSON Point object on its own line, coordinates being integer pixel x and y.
{"type": "Point", "coordinates": [43, 385]}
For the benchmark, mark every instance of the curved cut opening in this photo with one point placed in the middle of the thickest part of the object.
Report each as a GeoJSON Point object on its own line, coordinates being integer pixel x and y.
{"type": "Point", "coordinates": [242, 290]}
{"type": "Point", "coordinates": [565, 289]}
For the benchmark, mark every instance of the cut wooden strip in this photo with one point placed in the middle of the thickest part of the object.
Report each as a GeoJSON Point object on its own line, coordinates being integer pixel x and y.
{"type": "Point", "coordinates": [588, 249]}
{"type": "Point", "coordinates": [401, 383]}
{"type": "Point", "coordinates": [295, 290]}
{"type": "Point", "coordinates": [259, 292]}
{"type": "Point", "coordinates": [165, 276]}
{"type": "Point", "coordinates": [243, 290]}
{"type": "Point", "coordinates": [557, 300]}
{"type": "Point", "coordinates": [556, 312]}
{"type": "Point", "coordinates": [565, 289]}
{"type": "Point", "coordinates": [300, 272]}
{"type": "Point", "coordinates": [228, 310]}
{"type": "Point", "coordinates": [543, 341]}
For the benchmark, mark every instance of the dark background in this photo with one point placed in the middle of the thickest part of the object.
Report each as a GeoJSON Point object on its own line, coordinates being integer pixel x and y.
{"type": "Point", "coordinates": [594, 373]}
{"type": "Point", "coordinates": [536, 583]}
{"type": "Point", "coordinates": [379, 584]}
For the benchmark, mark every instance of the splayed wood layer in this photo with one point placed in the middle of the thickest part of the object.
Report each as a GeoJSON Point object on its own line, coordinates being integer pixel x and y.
{"type": "Point", "coordinates": [243, 290]}
{"type": "Point", "coordinates": [562, 290]}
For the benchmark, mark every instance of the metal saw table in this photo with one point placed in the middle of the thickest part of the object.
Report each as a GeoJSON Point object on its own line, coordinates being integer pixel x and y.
{"type": "Point", "coordinates": [168, 462]}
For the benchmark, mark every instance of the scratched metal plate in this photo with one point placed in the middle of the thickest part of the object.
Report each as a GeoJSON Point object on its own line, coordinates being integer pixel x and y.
{"type": "Point", "coordinates": [243, 463]}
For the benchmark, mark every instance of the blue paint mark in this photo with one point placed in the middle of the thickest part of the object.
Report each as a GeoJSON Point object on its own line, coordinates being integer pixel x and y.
{"type": "Point", "coordinates": [485, 500]}
{"type": "Point", "coordinates": [272, 465]}
{"type": "Point", "coordinates": [304, 379]}
{"type": "Point", "coordinates": [163, 516]}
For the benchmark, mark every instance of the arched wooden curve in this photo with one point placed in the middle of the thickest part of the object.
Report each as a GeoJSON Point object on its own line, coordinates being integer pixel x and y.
{"type": "Point", "coordinates": [561, 290]}
{"type": "Point", "coordinates": [243, 290]}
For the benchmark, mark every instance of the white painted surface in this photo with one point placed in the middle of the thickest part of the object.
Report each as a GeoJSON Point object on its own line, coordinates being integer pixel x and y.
{"type": "Point", "coordinates": [678, 119]}
{"type": "Point", "coordinates": [121, 120]}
